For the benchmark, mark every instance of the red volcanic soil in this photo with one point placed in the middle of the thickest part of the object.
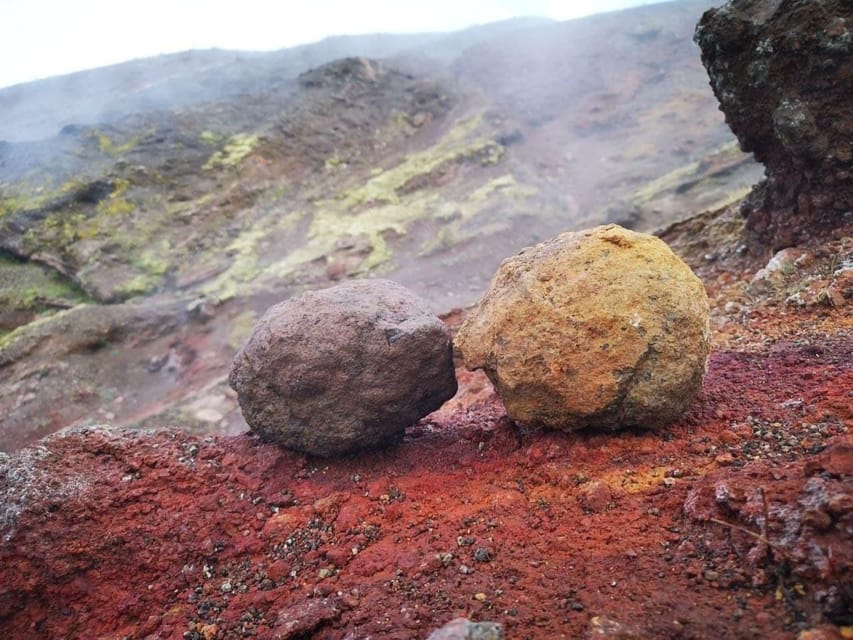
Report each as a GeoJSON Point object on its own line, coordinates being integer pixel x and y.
{"type": "Point", "coordinates": [732, 523]}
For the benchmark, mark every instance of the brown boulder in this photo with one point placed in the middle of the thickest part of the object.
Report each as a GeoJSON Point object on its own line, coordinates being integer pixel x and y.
{"type": "Point", "coordinates": [344, 368]}
{"type": "Point", "coordinates": [605, 328]}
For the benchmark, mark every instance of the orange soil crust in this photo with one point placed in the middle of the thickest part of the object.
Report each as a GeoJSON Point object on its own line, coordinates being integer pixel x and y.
{"type": "Point", "coordinates": [128, 534]}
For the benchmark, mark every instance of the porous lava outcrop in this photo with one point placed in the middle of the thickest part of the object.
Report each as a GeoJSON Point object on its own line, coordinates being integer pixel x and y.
{"type": "Point", "coordinates": [344, 368]}
{"type": "Point", "coordinates": [782, 72]}
{"type": "Point", "coordinates": [808, 533]}
{"type": "Point", "coordinates": [605, 328]}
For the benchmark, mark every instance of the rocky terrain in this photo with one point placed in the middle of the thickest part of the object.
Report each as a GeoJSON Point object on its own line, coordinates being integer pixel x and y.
{"type": "Point", "coordinates": [140, 252]}
{"type": "Point", "coordinates": [137, 250]}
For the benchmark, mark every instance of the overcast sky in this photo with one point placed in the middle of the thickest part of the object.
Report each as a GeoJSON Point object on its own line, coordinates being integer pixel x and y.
{"type": "Point", "coordinates": [41, 38]}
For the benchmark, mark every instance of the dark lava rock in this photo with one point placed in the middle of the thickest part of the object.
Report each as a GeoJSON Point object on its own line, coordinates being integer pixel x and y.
{"type": "Point", "coordinates": [344, 368]}
{"type": "Point", "coordinates": [783, 73]}
{"type": "Point", "coordinates": [340, 72]}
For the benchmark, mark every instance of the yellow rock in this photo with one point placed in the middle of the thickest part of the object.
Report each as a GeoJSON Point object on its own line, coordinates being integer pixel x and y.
{"type": "Point", "coordinates": [605, 328]}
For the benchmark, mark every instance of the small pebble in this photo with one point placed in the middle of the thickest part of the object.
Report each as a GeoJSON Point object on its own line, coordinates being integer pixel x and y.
{"type": "Point", "coordinates": [482, 555]}
{"type": "Point", "coordinates": [724, 459]}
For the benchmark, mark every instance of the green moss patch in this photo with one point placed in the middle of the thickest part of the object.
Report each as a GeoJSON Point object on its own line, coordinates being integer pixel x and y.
{"type": "Point", "coordinates": [111, 148]}
{"type": "Point", "coordinates": [35, 199]}
{"type": "Point", "coordinates": [241, 328]}
{"type": "Point", "coordinates": [211, 137]}
{"type": "Point", "coordinates": [446, 186]}
{"type": "Point", "coordinates": [233, 152]}
{"type": "Point", "coordinates": [26, 286]}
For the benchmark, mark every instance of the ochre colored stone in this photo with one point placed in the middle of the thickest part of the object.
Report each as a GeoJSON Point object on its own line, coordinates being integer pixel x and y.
{"type": "Point", "coordinates": [605, 328]}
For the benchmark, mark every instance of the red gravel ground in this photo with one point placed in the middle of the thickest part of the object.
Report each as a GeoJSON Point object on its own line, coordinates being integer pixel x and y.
{"type": "Point", "coordinates": [734, 522]}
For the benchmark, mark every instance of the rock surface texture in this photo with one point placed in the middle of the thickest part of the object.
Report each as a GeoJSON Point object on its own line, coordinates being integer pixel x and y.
{"type": "Point", "coordinates": [344, 368]}
{"type": "Point", "coordinates": [782, 72]}
{"type": "Point", "coordinates": [604, 328]}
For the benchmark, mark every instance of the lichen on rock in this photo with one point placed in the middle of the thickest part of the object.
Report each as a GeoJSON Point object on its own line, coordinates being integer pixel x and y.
{"type": "Point", "coordinates": [605, 328]}
{"type": "Point", "coordinates": [344, 368]}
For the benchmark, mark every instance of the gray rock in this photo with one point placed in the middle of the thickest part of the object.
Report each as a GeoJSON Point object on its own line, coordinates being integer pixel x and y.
{"type": "Point", "coordinates": [464, 629]}
{"type": "Point", "coordinates": [344, 368]}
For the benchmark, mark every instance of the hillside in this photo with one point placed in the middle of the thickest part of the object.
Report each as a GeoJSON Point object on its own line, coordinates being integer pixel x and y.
{"type": "Point", "coordinates": [138, 249]}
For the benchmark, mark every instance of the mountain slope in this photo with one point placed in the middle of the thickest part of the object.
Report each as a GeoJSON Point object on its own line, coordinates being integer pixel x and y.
{"type": "Point", "coordinates": [176, 81]}
{"type": "Point", "coordinates": [426, 168]}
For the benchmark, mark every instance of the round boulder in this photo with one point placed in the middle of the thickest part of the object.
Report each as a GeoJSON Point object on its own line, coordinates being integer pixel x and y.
{"type": "Point", "coordinates": [605, 328]}
{"type": "Point", "coordinates": [344, 368]}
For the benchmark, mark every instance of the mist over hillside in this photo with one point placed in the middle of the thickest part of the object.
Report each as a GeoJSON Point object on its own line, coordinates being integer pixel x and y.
{"type": "Point", "coordinates": [172, 81]}
{"type": "Point", "coordinates": [293, 345]}
{"type": "Point", "coordinates": [201, 187]}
